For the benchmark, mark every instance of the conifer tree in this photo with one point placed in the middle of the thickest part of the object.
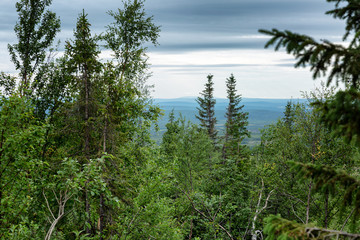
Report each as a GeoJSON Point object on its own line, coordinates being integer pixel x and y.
{"type": "Point", "coordinates": [236, 121]}
{"type": "Point", "coordinates": [340, 112]}
{"type": "Point", "coordinates": [336, 60]}
{"type": "Point", "coordinates": [288, 114]}
{"type": "Point", "coordinates": [206, 109]}
{"type": "Point", "coordinates": [83, 52]}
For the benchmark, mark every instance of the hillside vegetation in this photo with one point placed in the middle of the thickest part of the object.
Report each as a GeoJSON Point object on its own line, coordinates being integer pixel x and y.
{"type": "Point", "coordinates": [77, 158]}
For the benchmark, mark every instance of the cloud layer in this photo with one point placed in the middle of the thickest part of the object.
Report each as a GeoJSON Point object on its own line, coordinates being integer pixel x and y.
{"type": "Point", "coordinates": [206, 36]}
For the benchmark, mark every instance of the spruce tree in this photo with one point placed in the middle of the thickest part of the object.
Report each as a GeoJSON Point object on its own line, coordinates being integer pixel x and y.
{"type": "Point", "coordinates": [83, 53]}
{"type": "Point", "coordinates": [288, 114]}
{"type": "Point", "coordinates": [206, 108]}
{"type": "Point", "coordinates": [236, 121]}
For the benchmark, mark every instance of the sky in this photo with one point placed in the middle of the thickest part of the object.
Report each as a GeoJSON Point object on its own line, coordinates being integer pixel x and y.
{"type": "Point", "coordinates": [201, 37]}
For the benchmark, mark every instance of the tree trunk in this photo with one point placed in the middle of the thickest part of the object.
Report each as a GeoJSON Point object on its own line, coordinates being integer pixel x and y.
{"type": "Point", "coordinates": [191, 225]}
{"type": "Point", "coordinates": [87, 147]}
{"type": "Point", "coordinates": [254, 233]}
{"type": "Point", "coordinates": [102, 204]}
{"type": "Point", "coordinates": [326, 210]}
{"type": "Point", "coordinates": [102, 213]}
{"type": "Point", "coordinates": [61, 200]}
{"type": "Point", "coordinates": [1, 190]}
{"type": "Point", "coordinates": [308, 204]}
{"type": "Point", "coordinates": [87, 211]}
{"type": "Point", "coordinates": [86, 117]}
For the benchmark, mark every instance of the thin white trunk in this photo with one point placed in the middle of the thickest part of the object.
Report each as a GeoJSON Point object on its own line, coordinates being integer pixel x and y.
{"type": "Point", "coordinates": [62, 199]}
{"type": "Point", "coordinates": [255, 233]}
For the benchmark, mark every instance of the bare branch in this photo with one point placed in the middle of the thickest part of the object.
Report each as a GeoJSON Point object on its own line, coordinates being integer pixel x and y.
{"type": "Point", "coordinates": [218, 207]}
{"type": "Point", "coordinates": [347, 219]}
{"type": "Point", "coordinates": [258, 210]}
{"type": "Point", "coordinates": [292, 207]}
{"type": "Point", "coordinates": [207, 217]}
{"type": "Point", "coordinates": [47, 204]}
{"type": "Point", "coordinates": [316, 231]}
{"type": "Point", "coordinates": [62, 199]}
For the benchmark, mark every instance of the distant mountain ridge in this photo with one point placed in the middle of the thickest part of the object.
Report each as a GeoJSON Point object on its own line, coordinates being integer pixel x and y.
{"type": "Point", "coordinates": [262, 112]}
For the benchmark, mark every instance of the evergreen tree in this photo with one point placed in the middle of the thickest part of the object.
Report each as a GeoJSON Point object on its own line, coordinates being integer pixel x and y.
{"type": "Point", "coordinates": [288, 115]}
{"type": "Point", "coordinates": [236, 121]}
{"type": "Point", "coordinates": [339, 62]}
{"type": "Point", "coordinates": [36, 32]}
{"type": "Point", "coordinates": [83, 63]}
{"type": "Point", "coordinates": [83, 53]}
{"type": "Point", "coordinates": [340, 112]}
{"type": "Point", "coordinates": [206, 109]}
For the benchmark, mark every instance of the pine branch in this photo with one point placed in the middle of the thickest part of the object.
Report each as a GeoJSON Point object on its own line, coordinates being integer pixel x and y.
{"type": "Point", "coordinates": [321, 56]}
{"type": "Point", "coordinates": [350, 13]}
{"type": "Point", "coordinates": [342, 114]}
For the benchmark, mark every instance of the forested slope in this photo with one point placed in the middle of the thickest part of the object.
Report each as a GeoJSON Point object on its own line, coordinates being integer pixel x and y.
{"type": "Point", "coordinates": [77, 160]}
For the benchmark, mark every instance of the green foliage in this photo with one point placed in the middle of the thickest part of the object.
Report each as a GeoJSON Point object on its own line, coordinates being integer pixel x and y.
{"type": "Point", "coordinates": [236, 122]}
{"type": "Point", "coordinates": [206, 109]}
{"type": "Point", "coordinates": [77, 160]}
{"type": "Point", "coordinates": [20, 164]}
{"type": "Point", "coordinates": [51, 88]}
{"type": "Point", "coordinates": [152, 211]}
{"type": "Point", "coordinates": [320, 56]}
{"type": "Point", "coordinates": [189, 151]}
{"type": "Point", "coordinates": [126, 37]}
{"type": "Point", "coordinates": [83, 51]}
{"type": "Point", "coordinates": [279, 228]}
{"type": "Point", "coordinates": [58, 183]}
{"type": "Point", "coordinates": [342, 114]}
{"type": "Point", "coordinates": [325, 56]}
{"type": "Point", "coordinates": [212, 194]}
{"type": "Point", "coordinates": [327, 179]}
{"type": "Point", "coordinates": [7, 82]}
{"type": "Point", "coordinates": [301, 138]}
{"type": "Point", "coordinates": [282, 229]}
{"type": "Point", "coordinates": [35, 30]}
{"type": "Point", "coordinates": [347, 10]}
{"type": "Point", "coordinates": [338, 113]}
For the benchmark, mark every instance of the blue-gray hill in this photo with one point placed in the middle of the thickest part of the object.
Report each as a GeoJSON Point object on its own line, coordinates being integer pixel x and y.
{"type": "Point", "coordinates": [261, 111]}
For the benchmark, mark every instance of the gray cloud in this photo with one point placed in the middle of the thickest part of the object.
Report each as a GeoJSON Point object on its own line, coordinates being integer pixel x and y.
{"type": "Point", "coordinates": [193, 25]}
{"type": "Point", "coordinates": [183, 66]}
{"type": "Point", "coordinates": [196, 19]}
{"type": "Point", "coordinates": [208, 19]}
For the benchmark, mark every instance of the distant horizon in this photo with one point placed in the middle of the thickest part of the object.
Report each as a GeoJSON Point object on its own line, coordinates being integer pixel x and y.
{"type": "Point", "coordinates": [205, 37]}
{"type": "Point", "coordinates": [190, 97]}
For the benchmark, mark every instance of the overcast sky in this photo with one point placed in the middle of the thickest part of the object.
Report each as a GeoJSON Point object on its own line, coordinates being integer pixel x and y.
{"type": "Point", "coordinates": [199, 37]}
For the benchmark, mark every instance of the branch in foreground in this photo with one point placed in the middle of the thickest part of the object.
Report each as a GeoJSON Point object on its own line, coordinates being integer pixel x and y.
{"type": "Point", "coordinates": [327, 179]}
{"type": "Point", "coordinates": [279, 228]}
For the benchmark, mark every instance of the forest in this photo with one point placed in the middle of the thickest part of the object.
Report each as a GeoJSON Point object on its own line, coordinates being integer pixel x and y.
{"type": "Point", "coordinates": [77, 160]}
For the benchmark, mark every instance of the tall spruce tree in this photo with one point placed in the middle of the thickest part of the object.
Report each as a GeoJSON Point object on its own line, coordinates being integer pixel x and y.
{"type": "Point", "coordinates": [83, 53]}
{"type": "Point", "coordinates": [35, 30]}
{"type": "Point", "coordinates": [288, 114]}
{"type": "Point", "coordinates": [206, 109]}
{"type": "Point", "coordinates": [236, 121]}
